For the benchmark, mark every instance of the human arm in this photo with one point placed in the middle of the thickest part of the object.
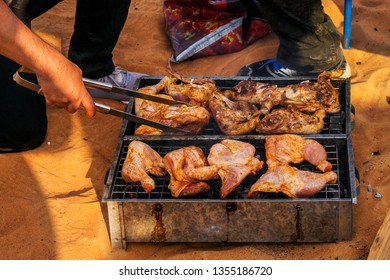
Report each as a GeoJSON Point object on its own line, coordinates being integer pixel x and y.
{"type": "Point", "coordinates": [60, 79]}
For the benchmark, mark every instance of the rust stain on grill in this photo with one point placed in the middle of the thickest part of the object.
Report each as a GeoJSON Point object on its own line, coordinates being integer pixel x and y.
{"type": "Point", "coordinates": [299, 217]}
{"type": "Point", "coordinates": [230, 207]}
{"type": "Point", "coordinates": [158, 234]}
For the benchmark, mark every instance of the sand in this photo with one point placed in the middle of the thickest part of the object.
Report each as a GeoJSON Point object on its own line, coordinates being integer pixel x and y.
{"type": "Point", "coordinates": [50, 198]}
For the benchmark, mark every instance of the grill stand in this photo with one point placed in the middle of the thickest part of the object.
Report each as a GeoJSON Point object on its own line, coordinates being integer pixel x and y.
{"type": "Point", "coordinates": [300, 221]}
{"type": "Point", "coordinates": [116, 224]}
{"type": "Point", "coordinates": [139, 217]}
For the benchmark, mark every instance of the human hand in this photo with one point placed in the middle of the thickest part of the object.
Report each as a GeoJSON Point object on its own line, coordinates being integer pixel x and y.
{"type": "Point", "coordinates": [64, 88]}
{"type": "Point", "coordinates": [60, 80]}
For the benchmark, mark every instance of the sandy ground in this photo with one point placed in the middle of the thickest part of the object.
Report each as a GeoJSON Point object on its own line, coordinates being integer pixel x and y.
{"type": "Point", "coordinates": [50, 198]}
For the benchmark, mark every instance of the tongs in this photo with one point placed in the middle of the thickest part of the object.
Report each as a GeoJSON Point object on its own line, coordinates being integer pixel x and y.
{"type": "Point", "coordinates": [89, 83]}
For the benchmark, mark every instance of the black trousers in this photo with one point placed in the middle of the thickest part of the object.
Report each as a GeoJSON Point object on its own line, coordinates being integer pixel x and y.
{"type": "Point", "coordinates": [309, 41]}
{"type": "Point", "coordinates": [97, 27]}
{"type": "Point", "coordinates": [23, 122]}
{"type": "Point", "coordinates": [98, 23]}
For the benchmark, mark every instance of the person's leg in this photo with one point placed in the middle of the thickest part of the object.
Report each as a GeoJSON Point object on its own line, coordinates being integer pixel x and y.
{"type": "Point", "coordinates": [308, 40]}
{"type": "Point", "coordinates": [23, 121]}
{"type": "Point", "coordinates": [97, 28]}
{"type": "Point", "coordinates": [27, 10]}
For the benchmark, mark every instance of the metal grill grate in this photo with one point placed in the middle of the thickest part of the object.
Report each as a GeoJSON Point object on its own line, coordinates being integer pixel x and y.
{"type": "Point", "coordinates": [333, 124]}
{"type": "Point", "coordinates": [123, 191]}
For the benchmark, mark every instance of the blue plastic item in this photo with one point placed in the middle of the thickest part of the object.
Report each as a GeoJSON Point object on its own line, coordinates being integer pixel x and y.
{"type": "Point", "coordinates": [347, 23]}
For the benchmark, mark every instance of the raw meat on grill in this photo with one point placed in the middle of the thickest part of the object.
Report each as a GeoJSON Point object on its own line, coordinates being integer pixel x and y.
{"type": "Point", "coordinates": [290, 148]}
{"type": "Point", "coordinates": [188, 170]}
{"type": "Point", "coordinates": [195, 91]}
{"type": "Point", "coordinates": [292, 182]}
{"type": "Point", "coordinates": [234, 161]}
{"type": "Point", "coordinates": [190, 118]}
{"type": "Point", "coordinates": [140, 161]}
{"type": "Point", "coordinates": [291, 120]}
{"type": "Point", "coordinates": [233, 117]}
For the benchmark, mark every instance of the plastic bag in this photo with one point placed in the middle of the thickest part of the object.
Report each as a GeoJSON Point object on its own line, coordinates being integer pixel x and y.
{"type": "Point", "coordinates": [204, 27]}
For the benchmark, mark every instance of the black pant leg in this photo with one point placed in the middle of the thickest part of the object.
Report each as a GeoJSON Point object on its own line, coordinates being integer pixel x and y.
{"type": "Point", "coordinates": [309, 41]}
{"type": "Point", "coordinates": [27, 10]}
{"type": "Point", "coordinates": [97, 28]}
{"type": "Point", "coordinates": [23, 121]}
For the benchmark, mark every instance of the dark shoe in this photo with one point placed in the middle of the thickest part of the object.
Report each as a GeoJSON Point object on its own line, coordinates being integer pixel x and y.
{"type": "Point", "coordinates": [271, 68]}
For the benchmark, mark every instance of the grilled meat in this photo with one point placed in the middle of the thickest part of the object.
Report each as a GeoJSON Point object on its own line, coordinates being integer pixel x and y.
{"type": "Point", "coordinates": [233, 117]}
{"type": "Point", "coordinates": [140, 161]}
{"type": "Point", "coordinates": [306, 96]}
{"type": "Point", "coordinates": [157, 88]}
{"type": "Point", "coordinates": [312, 96]}
{"type": "Point", "coordinates": [291, 120]}
{"type": "Point", "coordinates": [188, 170]}
{"type": "Point", "coordinates": [190, 90]}
{"type": "Point", "coordinates": [262, 94]}
{"type": "Point", "coordinates": [234, 161]}
{"type": "Point", "coordinates": [149, 109]}
{"type": "Point", "coordinates": [190, 118]}
{"type": "Point", "coordinates": [289, 148]}
{"type": "Point", "coordinates": [292, 182]}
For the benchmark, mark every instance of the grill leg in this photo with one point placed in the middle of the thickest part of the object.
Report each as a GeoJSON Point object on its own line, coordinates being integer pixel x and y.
{"type": "Point", "coordinates": [116, 222]}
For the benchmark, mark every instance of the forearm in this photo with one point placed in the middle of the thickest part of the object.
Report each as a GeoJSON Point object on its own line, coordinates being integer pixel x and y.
{"type": "Point", "coordinates": [21, 45]}
{"type": "Point", "coordinates": [60, 80]}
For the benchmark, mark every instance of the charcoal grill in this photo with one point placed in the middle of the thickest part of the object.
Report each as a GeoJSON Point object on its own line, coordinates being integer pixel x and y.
{"type": "Point", "coordinates": [138, 216]}
{"type": "Point", "coordinates": [338, 123]}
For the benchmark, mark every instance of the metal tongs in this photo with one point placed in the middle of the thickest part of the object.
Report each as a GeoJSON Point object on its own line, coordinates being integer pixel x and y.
{"type": "Point", "coordinates": [89, 83]}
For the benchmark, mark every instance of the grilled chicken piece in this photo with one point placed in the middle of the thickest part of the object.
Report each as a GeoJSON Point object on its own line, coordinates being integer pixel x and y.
{"type": "Point", "coordinates": [233, 117]}
{"type": "Point", "coordinates": [234, 161]}
{"type": "Point", "coordinates": [157, 88]}
{"type": "Point", "coordinates": [291, 120]}
{"type": "Point", "coordinates": [190, 118]}
{"type": "Point", "coordinates": [292, 182]}
{"type": "Point", "coordinates": [289, 148]}
{"type": "Point", "coordinates": [312, 96]}
{"type": "Point", "coordinates": [306, 96]}
{"type": "Point", "coordinates": [146, 108]}
{"type": "Point", "coordinates": [190, 90]}
{"type": "Point", "coordinates": [262, 94]}
{"type": "Point", "coordinates": [188, 170]}
{"type": "Point", "coordinates": [140, 161]}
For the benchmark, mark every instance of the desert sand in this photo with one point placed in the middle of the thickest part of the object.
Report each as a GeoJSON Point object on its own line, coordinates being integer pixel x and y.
{"type": "Point", "coordinates": [50, 197]}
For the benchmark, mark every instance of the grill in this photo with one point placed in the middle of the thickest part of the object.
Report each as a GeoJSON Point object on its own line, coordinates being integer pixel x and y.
{"type": "Point", "coordinates": [123, 191]}
{"type": "Point", "coordinates": [138, 216]}
{"type": "Point", "coordinates": [339, 123]}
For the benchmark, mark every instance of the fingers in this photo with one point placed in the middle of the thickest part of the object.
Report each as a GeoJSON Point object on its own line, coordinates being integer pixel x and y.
{"type": "Point", "coordinates": [66, 90]}
{"type": "Point", "coordinates": [87, 103]}
{"type": "Point", "coordinates": [72, 102]}
{"type": "Point", "coordinates": [70, 108]}
{"type": "Point", "coordinates": [89, 106]}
